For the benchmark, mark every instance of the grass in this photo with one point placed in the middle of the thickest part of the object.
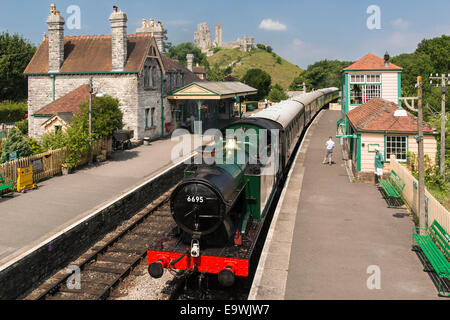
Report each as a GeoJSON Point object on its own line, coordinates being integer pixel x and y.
{"type": "Point", "coordinates": [282, 73]}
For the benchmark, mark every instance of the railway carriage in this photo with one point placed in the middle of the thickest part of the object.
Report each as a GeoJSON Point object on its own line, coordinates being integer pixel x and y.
{"type": "Point", "coordinates": [219, 209]}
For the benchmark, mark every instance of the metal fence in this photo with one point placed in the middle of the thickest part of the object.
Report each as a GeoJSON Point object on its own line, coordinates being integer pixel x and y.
{"type": "Point", "coordinates": [434, 210]}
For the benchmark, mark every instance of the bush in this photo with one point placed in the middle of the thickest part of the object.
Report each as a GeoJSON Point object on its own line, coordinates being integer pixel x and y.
{"type": "Point", "coordinates": [106, 118]}
{"type": "Point", "coordinates": [258, 79]}
{"type": "Point", "coordinates": [22, 126]}
{"type": "Point", "coordinates": [11, 111]}
{"type": "Point", "coordinates": [17, 142]}
{"type": "Point", "coordinates": [277, 94]}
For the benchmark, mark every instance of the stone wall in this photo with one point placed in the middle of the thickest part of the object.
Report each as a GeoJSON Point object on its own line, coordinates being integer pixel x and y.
{"type": "Point", "coordinates": [121, 86]}
{"type": "Point", "coordinates": [20, 278]}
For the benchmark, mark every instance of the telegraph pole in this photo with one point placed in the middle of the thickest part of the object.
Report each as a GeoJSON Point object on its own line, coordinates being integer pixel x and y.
{"type": "Point", "coordinates": [421, 167]}
{"type": "Point", "coordinates": [443, 79]}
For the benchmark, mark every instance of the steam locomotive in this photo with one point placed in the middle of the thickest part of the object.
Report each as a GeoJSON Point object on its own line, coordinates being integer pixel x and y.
{"type": "Point", "coordinates": [219, 208]}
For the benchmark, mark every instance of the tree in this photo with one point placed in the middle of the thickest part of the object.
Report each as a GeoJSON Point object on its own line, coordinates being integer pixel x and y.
{"type": "Point", "coordinates": [216, 73]}
{"type": "Point", "coordinates": [15, 142]}
{"type": "Point", "coordinates": [277, 94]}
{"type": "Point", "coordinates": [15, 53]}
{"type": "Point", "coordinates": [261, 46]}
{"type": "Point", "coordinates": [321, 74]}
{"type": "Point", "coordinates": [180, 51]}
{"type": "Point", "coordinates": [106, 116]}
{"type": "Point", "coordinates": [438, 49]}
{"type": "Point", "coordinates": [258, 79]}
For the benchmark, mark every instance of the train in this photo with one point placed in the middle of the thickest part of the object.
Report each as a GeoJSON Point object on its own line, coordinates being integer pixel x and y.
{"type": "Point", "coordinates": [219, 208]}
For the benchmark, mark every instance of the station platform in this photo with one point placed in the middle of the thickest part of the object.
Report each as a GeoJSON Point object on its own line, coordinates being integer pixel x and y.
{"type": "Point", "coordinates": [29, 219]}
{"type": "Point", "coordinates": [331, 238]}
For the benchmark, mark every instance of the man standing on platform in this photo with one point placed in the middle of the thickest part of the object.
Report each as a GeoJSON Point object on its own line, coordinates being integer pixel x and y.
{"type": "Point", "coordinates": [378, 164]}
{"type": "Point", "coordinates": [329, 150]}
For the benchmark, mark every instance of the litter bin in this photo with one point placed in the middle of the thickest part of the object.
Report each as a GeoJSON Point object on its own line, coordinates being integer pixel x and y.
{"type": "Point", "coordinates": [147, 141]}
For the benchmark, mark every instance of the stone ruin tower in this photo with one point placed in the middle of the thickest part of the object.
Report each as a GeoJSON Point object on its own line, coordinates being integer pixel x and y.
{"type": "Point", "coordinates": [156, 29]}
{"type": "Point", "coordinates": [218, 36]}
{"type": "Point", "coordinates": [202, 38]}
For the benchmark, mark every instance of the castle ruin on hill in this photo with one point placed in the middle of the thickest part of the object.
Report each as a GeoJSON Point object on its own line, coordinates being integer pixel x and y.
{"type": "Point", "coordinates": [203, 39]}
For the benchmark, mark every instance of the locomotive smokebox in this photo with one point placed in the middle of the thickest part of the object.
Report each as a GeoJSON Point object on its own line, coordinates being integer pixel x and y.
{"type": "Point", "coordinates": [201, 204]}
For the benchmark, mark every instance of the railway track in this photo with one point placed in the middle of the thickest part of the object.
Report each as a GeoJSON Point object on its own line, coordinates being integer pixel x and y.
{"type": "Point", "coordinates": [107, 264]}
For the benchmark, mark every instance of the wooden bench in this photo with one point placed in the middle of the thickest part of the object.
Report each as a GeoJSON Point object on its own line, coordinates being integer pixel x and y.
{"type": "Point", "coordinates": [435, 244]}
{"type": "Point", "coordinates": [393, 187]}
{"type": "Point", "coordinates": [5, 185]}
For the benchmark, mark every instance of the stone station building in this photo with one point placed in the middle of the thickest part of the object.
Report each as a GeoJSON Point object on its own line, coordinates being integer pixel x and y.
{"type": "Point", "coordinates": [129, 67]}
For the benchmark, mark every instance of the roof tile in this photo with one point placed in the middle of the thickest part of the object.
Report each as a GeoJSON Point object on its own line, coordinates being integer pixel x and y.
{"type": "Point", "coordinates": [371, 61]}
{"type": "Point", "coordinates": [67, 103]}
{"type": "Point", "coordinates": [378, 115]}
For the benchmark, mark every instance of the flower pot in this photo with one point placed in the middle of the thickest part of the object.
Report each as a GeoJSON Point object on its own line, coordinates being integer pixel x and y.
{"type": "Point", "coordinates": [65, 171]}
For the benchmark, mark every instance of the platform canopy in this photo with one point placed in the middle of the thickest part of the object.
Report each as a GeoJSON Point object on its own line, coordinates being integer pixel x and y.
{"type": "Point", "coordinates": [212, 91]}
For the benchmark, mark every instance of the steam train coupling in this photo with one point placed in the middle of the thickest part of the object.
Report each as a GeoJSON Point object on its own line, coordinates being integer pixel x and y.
{"type": "Point", "coordinates": [220, 206]}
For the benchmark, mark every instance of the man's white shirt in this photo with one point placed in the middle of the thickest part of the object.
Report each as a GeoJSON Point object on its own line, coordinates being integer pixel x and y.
{"type": "Point", "coordinates": [330, 145]}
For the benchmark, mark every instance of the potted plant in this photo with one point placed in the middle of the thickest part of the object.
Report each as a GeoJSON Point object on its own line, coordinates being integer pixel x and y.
{"type": "Point", "coordinates": [65, 169]}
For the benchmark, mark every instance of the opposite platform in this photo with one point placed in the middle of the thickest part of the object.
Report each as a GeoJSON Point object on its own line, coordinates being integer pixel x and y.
{"type": "Point", "coordinates": [330, 236]}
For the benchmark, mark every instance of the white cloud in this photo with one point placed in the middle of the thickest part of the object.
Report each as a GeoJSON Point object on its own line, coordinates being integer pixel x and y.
{"type": "Point", "coordinates": [269, 24]}
{"type": "Point", "coordinates": [400, 24]}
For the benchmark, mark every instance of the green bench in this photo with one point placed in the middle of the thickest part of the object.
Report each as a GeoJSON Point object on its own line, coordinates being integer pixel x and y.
{"type": "Point", "coordinates": [393, 187]}
{"type": "Point", "coordinates": [435, 244]}
{"type": "Point", "coordinates": [5, 185]}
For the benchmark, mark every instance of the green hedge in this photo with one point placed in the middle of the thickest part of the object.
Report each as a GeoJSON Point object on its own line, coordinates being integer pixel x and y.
{"type": "Point", "coordinates": [11, 111]}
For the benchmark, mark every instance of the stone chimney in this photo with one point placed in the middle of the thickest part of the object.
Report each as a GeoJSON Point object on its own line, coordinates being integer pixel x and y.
{"type": "Point", "coordinates": [190, 61]}
{"type": "Point", "coordinates": [156, 29]}
{"type": "Point", "coordinates": [55, 40]}
{"type": "Point", "coordinates": [159, 36]}
{"type": "Point", "coordinates": [118, 21]}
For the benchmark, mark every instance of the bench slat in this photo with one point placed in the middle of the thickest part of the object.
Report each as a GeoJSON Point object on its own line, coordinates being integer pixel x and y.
{"type": "Point", "coordinates": [436, 258]}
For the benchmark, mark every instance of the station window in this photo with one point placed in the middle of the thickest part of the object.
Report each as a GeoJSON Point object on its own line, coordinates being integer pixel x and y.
{"type": "Point", "coordinates": [373, 78]}
{"type": "Point", "coordinates": [357, 78]}
{"type": "Point", "coordinates": [398, 146]}
{"type": "Point", "coordinates": [146, 117]}
{"type": "Point", "coordinates": [361, 93]}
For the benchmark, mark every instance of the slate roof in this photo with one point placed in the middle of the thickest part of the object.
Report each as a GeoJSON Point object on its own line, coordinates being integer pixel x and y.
{"type": "Point", "coordinates": [377, 115]}
{"type": "Point", "coordinates": [91, 54]}
{"type": "Point", "coordinates": [67, 103]}
{"type": "Point", "coordinates": [174, 65]}
{"type": "Point", "coordinates": [371, 61]}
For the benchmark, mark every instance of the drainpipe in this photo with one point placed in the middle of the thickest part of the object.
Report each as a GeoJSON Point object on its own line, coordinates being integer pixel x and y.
{"type": "Point", "coordinates": [53, 86]}
{"type": "Point", "coordinates": [162, 104]}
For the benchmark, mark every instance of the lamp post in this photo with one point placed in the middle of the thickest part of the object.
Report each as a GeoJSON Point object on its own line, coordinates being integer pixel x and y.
{"type": "Point", "coordinates": [97, 94]}
{"type": "Point", "coordinates": [91, 92]}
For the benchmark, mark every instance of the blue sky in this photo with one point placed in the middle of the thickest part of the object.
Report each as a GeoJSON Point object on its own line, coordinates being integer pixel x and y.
{"type": "Point", "coordinates": [301, 31]}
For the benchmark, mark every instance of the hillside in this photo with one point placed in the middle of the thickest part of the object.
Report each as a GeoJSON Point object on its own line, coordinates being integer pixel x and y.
{"type": "Point", "coordinates": [282, 73]}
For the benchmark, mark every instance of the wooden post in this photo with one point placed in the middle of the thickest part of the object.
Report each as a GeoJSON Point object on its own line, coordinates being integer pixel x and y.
{"type": "Point", "coordinates": [443, 128]}
{"type": "Point", "coordinates": [421, 167]}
